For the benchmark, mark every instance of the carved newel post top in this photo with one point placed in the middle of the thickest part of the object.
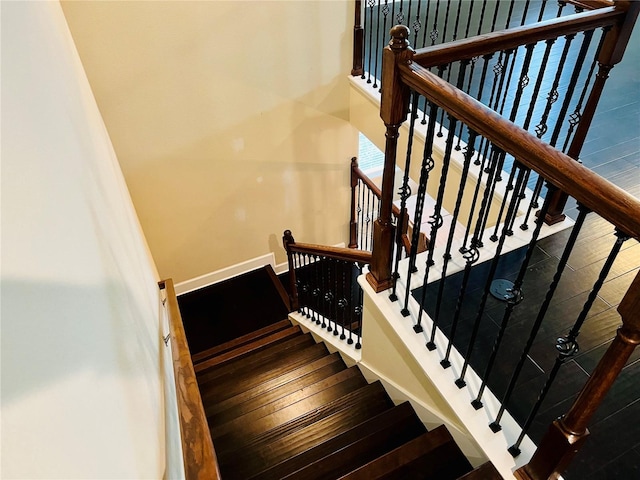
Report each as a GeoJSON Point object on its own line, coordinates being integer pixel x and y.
{"type": "Point", "coordinates": [399, 38]}
{"type": "Point", "coordinates": [287, 238]}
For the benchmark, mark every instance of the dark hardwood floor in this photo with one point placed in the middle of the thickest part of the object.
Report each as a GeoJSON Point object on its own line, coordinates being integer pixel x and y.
{"type": "Point", "coordinates": [612, 149]}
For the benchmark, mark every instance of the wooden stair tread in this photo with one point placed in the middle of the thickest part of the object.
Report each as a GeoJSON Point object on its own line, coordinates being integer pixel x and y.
{"type": "Point", "coordinates": [259, 458]}
{"type": "Point", "coordinates": [486, 471]}
{"type": "Point", "coordinates": [247, 349]}
{"type": "Point", "coordinates": [304, 448]}
{"type": "Point", "coordinates": [231, 344]}
{"type": "Point", "coordinates": [274, 388]}
{"type": "Point", "coordinates": [433, 455]}
{"type": "Point", "coordinates": [328, 389]}
{"type": "Point", "coordinates": [288, 420]}
{"type": "Point", "coordinates": [288, 361]}
{"type": "Point", "coordinates": [260, 359]}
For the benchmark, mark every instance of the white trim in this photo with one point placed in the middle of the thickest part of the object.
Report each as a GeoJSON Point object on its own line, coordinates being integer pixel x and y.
{"type": "Point", "coordinates": [225, 273]}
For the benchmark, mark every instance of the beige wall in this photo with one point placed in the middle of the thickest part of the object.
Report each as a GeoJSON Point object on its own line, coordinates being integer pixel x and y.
{"type": "Point", "coordinates": [81, 347]}
{"type": "Point", "coordinates": [230, 121]}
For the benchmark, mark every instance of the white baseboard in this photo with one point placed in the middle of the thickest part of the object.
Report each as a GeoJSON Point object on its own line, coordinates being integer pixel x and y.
{"type": "Point", "coordinates": [233, 271]}
{"type": "Point", "coordinates": [227, 273]}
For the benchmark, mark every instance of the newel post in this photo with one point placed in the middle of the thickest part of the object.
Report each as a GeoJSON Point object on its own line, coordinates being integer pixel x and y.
{"type": "Point", "coordinates": [567, 434]}
{"type": "Point", "coordinates": [610, 54]}
{"type": "Point", "coordinates": [287, 242]}
{"type": "Point", "coordinates": [394, 108]}
{"type": "Point", "coordinates": [358, 41]}
{"type": "Point", "coordinates": [353, 223]}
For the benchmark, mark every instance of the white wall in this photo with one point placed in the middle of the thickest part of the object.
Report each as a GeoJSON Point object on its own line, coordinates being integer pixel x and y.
{"type": "Point", "coordinates": [230, 121]}
{"type": "Point", "coordinates": [81, 334]}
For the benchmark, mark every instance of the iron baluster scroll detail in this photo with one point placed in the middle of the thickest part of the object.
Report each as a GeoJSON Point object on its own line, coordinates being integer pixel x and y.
{"type": "Point", "coordinates": [325, 287]}
{"type": "Point", "coordinates": [567, 346]}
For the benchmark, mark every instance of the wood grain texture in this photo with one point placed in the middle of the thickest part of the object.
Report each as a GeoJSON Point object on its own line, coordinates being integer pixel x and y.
{"type": "Point", "coordinates": [601, 196]}
{"type": "Point", "coordinates": [338, 253]}
{"type": "Point", "coordinates": [199, 456]}
{"type": "Point", "coordinates": [506, 39]}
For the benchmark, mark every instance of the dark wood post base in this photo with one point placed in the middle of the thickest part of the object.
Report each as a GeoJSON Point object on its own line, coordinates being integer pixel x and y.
{"type": "Point", "coordinates": [556, 450]}
{"type": "Point", "coordinates": [379, 276]}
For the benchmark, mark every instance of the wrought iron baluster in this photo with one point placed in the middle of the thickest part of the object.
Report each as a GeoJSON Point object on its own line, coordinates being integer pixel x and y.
{"type": "Point", "coordinates": [503, 204]}
{"type": "Point", "coordinates": [468, 154]}
{"type": "Point", "coordinates": [577, 69]}
{"type": "Point", "coordinates": [484, 9]}
{"type": "Point", "coordinates": [427, 165]}
{"type": "Point", "coordinates": [524, 12]}
{"type": "Point", "coordinates": [371, 4]}
{"type": "Point", "coordinates": [378, 35]}
{"type": "Point", "coordinates": [343, 303]}
{"type": "Point", "coordinates": [400, 15]}
{"type": "Point", "coordinates": [455, 28]}
{"type": "Point", "coordinates": [417, 25]}
{"type": "Point", "coordinates": [460, 382]}
{"type": "Point", "coordinates": [385, 12]}
{"type": "Point", "coordinates": [513, 300]}
{"type": "Point", "coordinates": [495, 16]}
{"type": "Point", "coordinates": [495, 425]}
{"type": "Point", "coordinates": [358, 311]}
{"type": "Point", "coordinates": [567, 346]}
{"type": "Point", "coordinates": [368, 218]}
{"type": "Point", "coordinates": [405, 193]}
{"type": "Point", "coordinates": [469, 17]}
{"type": "Point", "coordinates": [434, 32]}
{"type": "Point", "coordinates": [485, 207]}
{"type": "Point", "coordinates": [436, 219]}
{"type": "Point", "coordinates": [426, 24]}
{"type": "Point", "coordinates": [511, 5]}
{"type": "Point", "coordinates": [446, 21]}
{"type": "Point", "coordinates": [541, 12]}
{"type": "Point", "coordinates": [476, 192]}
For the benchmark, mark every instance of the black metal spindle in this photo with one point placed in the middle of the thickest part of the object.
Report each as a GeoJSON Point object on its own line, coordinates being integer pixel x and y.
{"type": "Point", "coordinates": [434, 32]}
{"type": "Point", "coordinates": [426, 24]}
{"type": "Point", "coordinates": [468, 154]}
{"type": "Point", "coordinates": [509, 14]}
{"type": "Point", "coordinates": [495, 425]}
{"type": "Point", "coordinates": [503, 205]}
{"type": "Point", "coordinates": [524, 12]}
{"type": "Point", "coordinates": [575, 117]}
{"type": "Point", "coordinates": [405, 193]}
{"type": "Point", "coordinates": [417, 25]}
{"type": "Point", "coordinates": [455, 28]}
{"type": "Point", "coordinates": [481, 21]}
{"type": "Point", "coordinates": [513, 299]}
{"type": "Point", "coordinates": [427, 165]}
{"type": "Point", "coordinates": [577, 69]}
{"type": "Point", "coordinates": [343, 303]}
{"type": "Point", "coordinates": [358, 311]}
{"type": "Point", "coordinates": [541, 13]}
{"type": "Point", "coordinates": [476, 192]}
{"type": "Point", "coordinates": [371, 4]}
{"type": "Point", "coordinates": [485, 207]}
{"type": "Point", "coordinates": [359, 219]}
{"type": "Point", "coordinates": [469, 17]}
{"type": "Point", "coordinates": [446, 21]}
{"type": "Point", "coordinates": [378, 36]}
{"type": "Point", "coordinates": [385, 12]}
{"type": "Point", "coordinates": [460, 382]}
{"type": "Point", "coordinates": [495, 16]}
{"type": "Point", "coordinates": [567, 346]}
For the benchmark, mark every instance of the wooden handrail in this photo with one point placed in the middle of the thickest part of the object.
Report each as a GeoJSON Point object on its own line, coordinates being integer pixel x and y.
{"type": "Point", "coordinates": [337, 253]}
{"type": "Point", "coordinates": [514, 37]}
{"type": "Point", "coordinates": [374, 189]}
{"type": "Point", "coordinates": [197, 447]}
{"type": "Point", "coordinates": [601, 196]}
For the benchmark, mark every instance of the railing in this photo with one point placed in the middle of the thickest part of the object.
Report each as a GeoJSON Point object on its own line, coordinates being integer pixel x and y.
{"type": "Point", "coordinates": [560, 59]}
{"type": "Point", "coordinates": [365, 208]}
{"type": "Point", "coordinates": [324, 287]}
{"type": "Point", "coordinates": [437, 22]}
{"type": "Point", "coordinates": [199, 457]}
{"type": "Point", "coordinates": [490, 144]}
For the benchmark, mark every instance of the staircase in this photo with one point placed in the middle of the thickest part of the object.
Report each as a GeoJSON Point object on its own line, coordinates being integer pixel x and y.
{"type": "Point", "coordinates": [279, 405]}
